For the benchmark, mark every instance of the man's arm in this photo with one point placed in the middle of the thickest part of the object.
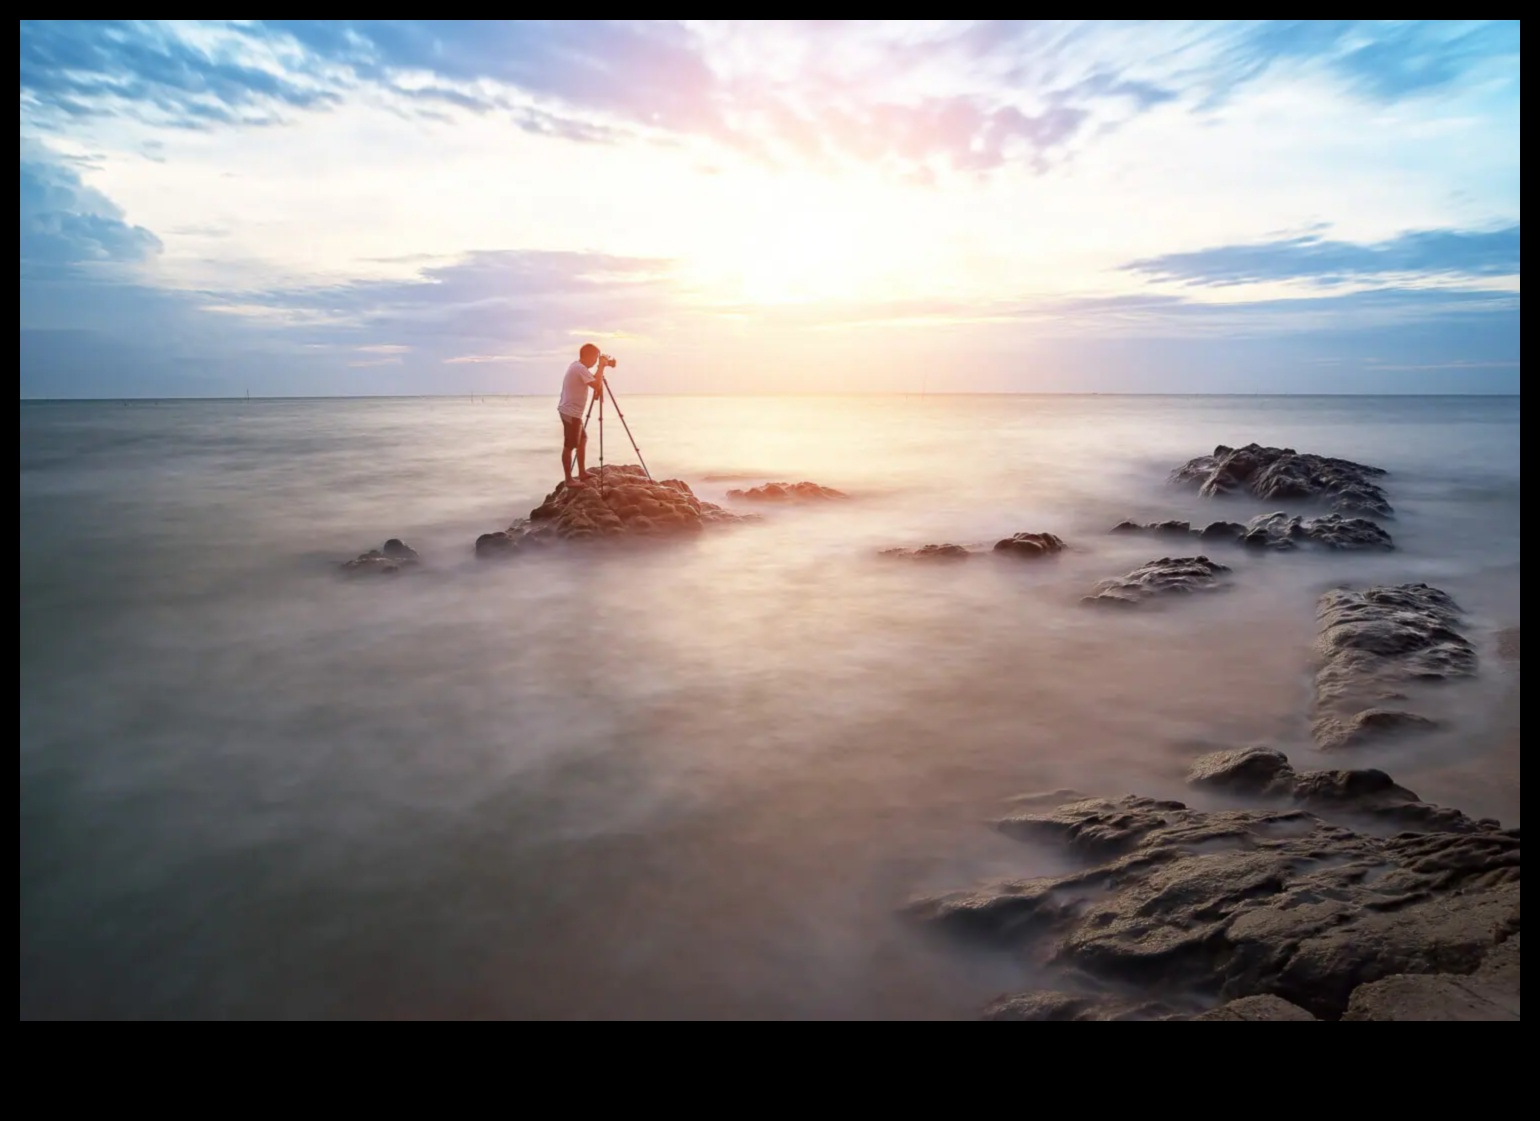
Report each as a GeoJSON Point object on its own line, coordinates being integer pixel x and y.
{"type": "Point", "coordinates": [598, 376]}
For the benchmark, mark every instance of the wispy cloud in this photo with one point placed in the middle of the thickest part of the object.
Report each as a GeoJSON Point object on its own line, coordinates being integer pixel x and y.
{"type": "Point", "coordinates": [289, 165]}
{"type": "Point", "coordinates": [1417, 253]}
{"type": "Point", "coordinates": [970, 95]}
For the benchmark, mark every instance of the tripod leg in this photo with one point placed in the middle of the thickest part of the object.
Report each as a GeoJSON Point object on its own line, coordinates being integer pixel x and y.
{"type": "Point", "coordinates": [630, 437]}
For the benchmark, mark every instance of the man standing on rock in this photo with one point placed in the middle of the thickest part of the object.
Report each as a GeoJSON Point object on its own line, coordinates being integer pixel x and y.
{"type": "Point", "coordinates": [574, 402]}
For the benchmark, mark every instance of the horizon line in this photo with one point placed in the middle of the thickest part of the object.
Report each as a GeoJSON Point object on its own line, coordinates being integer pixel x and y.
{"type": "Point", "coordinates": [644, 393]}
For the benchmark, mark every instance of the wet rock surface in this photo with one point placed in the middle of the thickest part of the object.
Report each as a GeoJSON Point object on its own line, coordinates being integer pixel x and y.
{"type": "Point", "coordinates": [1243, 903]}
{"type": "Point", "coordinates": [788, 492]}
{"type": "Point", "coordinates": [1159, 578]}
{"type": "Point", "coordinates": [1029, 546]}
{"type": "Point", "coordinates": [1277, 474]}
{"type": "Point", "coordinates": [1264, 774]}
{"type": "Point", "coordinates": [1257, 1008]}
{"type": "Point", "coordinates": [1433, 997]}
{"type": "Point", "coordinates": [1046, 1005]}
{"type": "Point", "coordinates": [618, 502]}
{"type": "Point", "coordinates": [388, 560]}
{"type": "Point", "coordinates": [1371, 645]}
{"type": "Point", "coordinates": [1278, 531]}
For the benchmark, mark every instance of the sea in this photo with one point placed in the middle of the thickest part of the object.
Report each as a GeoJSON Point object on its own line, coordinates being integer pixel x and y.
{"type": "Point", "coordinates": [697, 780]}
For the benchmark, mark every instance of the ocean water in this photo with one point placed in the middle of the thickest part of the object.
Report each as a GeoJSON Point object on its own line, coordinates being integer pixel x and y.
{"type": "Point", "coordinates": [692, 781]}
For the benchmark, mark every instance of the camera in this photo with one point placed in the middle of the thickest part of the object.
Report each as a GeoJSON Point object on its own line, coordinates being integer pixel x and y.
{"type": "Point", "coordinates": [606, 360]}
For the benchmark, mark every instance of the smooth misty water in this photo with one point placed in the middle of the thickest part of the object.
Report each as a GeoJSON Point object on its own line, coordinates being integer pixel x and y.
{"type": "Point", "coordinates": [688, 782]}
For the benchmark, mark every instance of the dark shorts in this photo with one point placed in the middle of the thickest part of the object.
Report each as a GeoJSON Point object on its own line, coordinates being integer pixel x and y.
{"type": "Point", "coordinates": [571, 431]}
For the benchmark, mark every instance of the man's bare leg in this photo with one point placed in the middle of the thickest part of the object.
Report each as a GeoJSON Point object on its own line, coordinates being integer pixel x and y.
{"type": "Point", "coordinates": [566, 464]}
{"type": "Point", "coordinates": [582, 456]}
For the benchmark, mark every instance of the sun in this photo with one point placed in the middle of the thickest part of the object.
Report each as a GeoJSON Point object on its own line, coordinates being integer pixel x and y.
{"type": "Point", "coordinates": [797, 243]}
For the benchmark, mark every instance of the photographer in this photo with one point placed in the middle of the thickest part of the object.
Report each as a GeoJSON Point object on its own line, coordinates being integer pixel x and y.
{"type": "Point", "coordinates": [575, 384]}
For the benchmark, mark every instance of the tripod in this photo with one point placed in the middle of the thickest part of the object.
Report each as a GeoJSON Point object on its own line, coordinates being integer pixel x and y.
{"type": "Point", "coordinates": [599, 402]}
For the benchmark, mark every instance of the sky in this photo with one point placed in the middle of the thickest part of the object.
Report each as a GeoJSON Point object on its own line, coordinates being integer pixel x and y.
{"type": "Point", "coordinates": [376, 207]}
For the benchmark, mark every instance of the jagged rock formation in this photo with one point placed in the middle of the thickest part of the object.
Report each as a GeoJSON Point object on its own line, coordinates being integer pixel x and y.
{"type": "Point", "coordinates": [1261, 773]}
{"type": "Point", "coordinates": [788, 492]}
{"type": "Point", "coordinates": [1176, 903]}
{"type": "Point", "coordinates": [1163, 577]}
{"type": "Point", "coordinates": [1276, 474]}
{"type": "Point", "coordinates": [1276, 531]}
{"type": "Point", "coordinates": [619, 502]}
{"type": "Point", "coordinates": [1371, 645]}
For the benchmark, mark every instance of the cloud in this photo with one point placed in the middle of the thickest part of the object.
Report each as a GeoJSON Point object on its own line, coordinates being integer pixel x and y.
{"type": "Point", "coordinates": [150, 70]}
{"type": "Point", "coordinates": [64, 222]}
{"type": "Point", "coordinates": [1384, 59]}
{"type": "Point", "coordinates": [1423, 253]}
{"type": "Point", "coordinates": [496, 310]}
{"type": "Point", "coordinates": [966, 95]}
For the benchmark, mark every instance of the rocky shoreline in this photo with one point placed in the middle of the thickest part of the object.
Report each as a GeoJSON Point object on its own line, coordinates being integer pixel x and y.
{"type": "Point", "coordinates": [1330, 894]}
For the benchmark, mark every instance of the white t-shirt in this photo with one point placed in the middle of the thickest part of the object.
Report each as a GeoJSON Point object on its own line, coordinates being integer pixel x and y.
{"type": "Point", "coordinates": [574, 389]}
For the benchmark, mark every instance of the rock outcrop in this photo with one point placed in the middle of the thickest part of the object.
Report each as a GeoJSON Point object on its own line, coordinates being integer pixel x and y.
{"type": "Point", "coordinates": [1277, 531]}
{"type": "Point", "coordinates": [1278, 474]}
{"type": "Point", "coordinates": [1163, 577]}
{"type": "Point", "coordinates": [618, 502]}
{"type": "Point", "coordinates": [1047, 1005]}
{"type": "Point", "coordinates": [788, 492]}
{"type": "Point", "coordinates": [1029, 546]}
{"type": "Point", "coordinates": [1022, 546]}
{"type": "Point", "coordinates": [1371, 645]}
{"type": "Point", "coordinates": [930, 553]}
{"type": "Point", "coordinates": [387, 560]}
{"type": "Point", "coordinates": [1243, 903]}
{"type": "Point", "coordinates": [1264, 774]}
{"type": "Point", "coordinates": [1257, 1008]}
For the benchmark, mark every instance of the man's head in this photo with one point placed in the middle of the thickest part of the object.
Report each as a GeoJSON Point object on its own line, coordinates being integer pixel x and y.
{"type": "Point", "coordinates": [588, 355]}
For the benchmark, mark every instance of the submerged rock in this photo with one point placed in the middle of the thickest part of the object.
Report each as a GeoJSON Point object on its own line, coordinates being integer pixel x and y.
{"type": "Point", "coordinates": [1244, 903]}
{"type": "Point", "coordinates": [1283, 473]}
{"type": "Point", "coordinates": [1169, 528]}
{"type": "Point", "coordinates": [1259, 772]}
{"type": "Point", "coordinates": [1166, 576]}
{"type": "Point", "coordinates": [788, 492]}
{"type": "Point", "coordinates": [1371, 645]}
{"type": "Point", "coordinates": [1030, 546]}
{"type": "Point", "coordinates": [1277, 531]}
{"type": "Point", "coordinates": [387, 560]}
{"type": "Point", "coordinates": [930, 552]}
{"type": "Point", "coordinates": [619, 502]}
{"type": "Point", "coordinates": [1025, 546]}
